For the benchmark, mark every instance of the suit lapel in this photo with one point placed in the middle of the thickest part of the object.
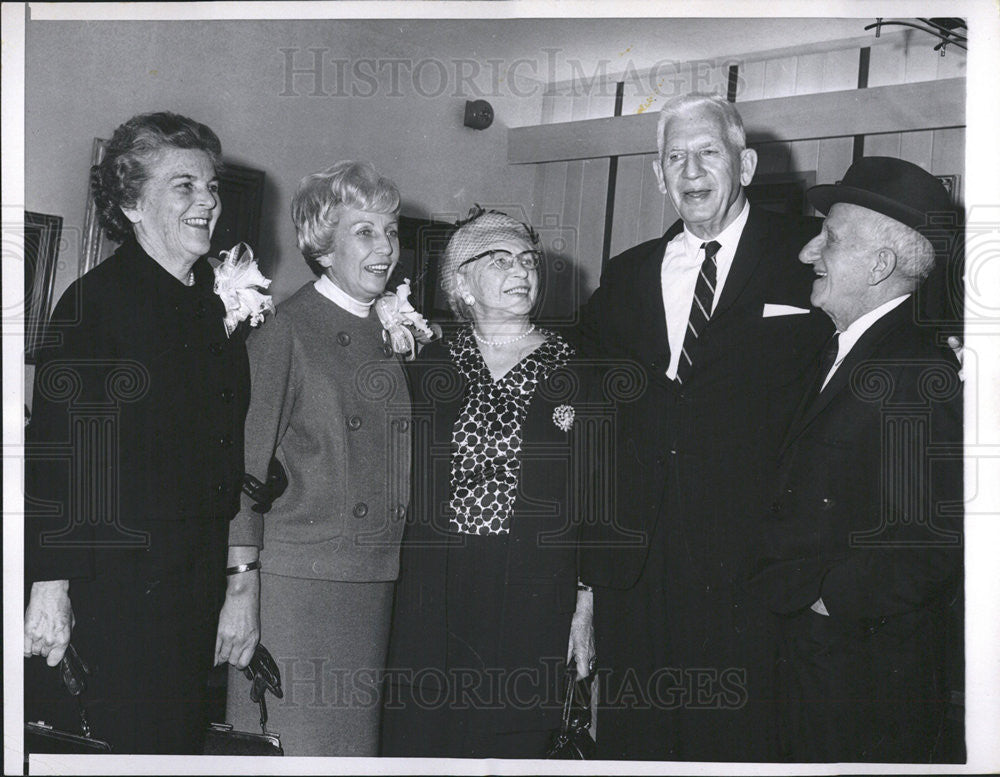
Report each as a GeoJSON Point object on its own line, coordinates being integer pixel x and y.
{"type": "Point", "coordinates": [654, 345]}
{"type": "Point", "coordinates": [749, 251]}
{"type": "Point", "coordinates": [813, 404]}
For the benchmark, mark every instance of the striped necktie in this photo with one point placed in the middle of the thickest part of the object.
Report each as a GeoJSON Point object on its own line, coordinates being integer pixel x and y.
{"type": "Point", "coordinates": [701, 308]}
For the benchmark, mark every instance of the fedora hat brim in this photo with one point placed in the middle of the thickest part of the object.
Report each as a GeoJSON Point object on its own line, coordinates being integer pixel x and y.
{"type": "Point", "coordinates": [825, 196]}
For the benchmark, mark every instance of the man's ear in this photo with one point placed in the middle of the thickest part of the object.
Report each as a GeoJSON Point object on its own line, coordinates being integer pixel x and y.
{"type": "Point", "coordinates": [883, 266]}
{"type": "Point", "coordinates": [748, 165]}
{"type": "Point", "coordinates": [658, 169]}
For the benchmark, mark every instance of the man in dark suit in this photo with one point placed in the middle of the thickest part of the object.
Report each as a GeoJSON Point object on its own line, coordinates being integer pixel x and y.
{"type": "Point", "coordinates": [715, 317]}
{"type": "Point", "coordinates": [863, 548]}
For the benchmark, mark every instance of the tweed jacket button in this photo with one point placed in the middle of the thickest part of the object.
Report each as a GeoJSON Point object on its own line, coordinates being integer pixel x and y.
{"type": "Point", "coordinates": [227, 395]}
{"type": "Point", "coordinates": [226, 441]}
{"type": "Point", "coordinates": [343, 338]}
{"type": "Point", "coordinates": [215, 348]}
{"type": "Point", "coordinates": [316, 567]}
{"type": "Point", "coordinates": [828, 503]}
{"type": "Point", "coordinates": [354, 423]}
{"type": "Point", "coordinates": [360, 510]}
{"type": "Point", "coordinates": [404, 424]}
{"type": "Point", "coordinates": [400, 512]}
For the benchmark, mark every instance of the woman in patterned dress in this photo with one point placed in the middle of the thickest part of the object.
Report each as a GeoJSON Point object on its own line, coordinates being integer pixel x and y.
{"type": "Point", "coordinates": [487, 588]}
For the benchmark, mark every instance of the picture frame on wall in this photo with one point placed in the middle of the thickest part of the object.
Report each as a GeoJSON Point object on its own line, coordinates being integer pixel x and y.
{"type": "Point", "coordinates": [241, 190]}
{"type": "Point", "coordinates": [42, 235]}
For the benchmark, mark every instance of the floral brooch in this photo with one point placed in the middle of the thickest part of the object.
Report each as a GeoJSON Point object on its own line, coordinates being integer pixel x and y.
{"type": "Point", "coordinates": [237, 280]}
{"type": "Point", "coordinates": [563, 417]}
{"type": "Point", "coordinates": [404, 326]}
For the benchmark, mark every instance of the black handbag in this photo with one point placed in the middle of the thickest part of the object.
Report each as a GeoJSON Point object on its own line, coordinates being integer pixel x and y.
{"type": "Point", "coordinates": [221, 739]}
{"type": "Point", "coordinates": [572, 740]}
{"type": "Point", "coordinates": [40, 737]}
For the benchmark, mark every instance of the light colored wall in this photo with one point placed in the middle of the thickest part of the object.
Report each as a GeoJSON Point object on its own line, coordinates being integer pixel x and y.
{"type": "Point", "coordinates": [85, 78]}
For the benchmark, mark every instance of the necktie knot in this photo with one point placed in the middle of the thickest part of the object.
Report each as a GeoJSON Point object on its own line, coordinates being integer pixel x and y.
{"type": "Point", "coordinates": [711, 248]}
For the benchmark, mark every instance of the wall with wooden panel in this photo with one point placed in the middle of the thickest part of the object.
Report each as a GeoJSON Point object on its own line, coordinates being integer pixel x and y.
{"type": "Point", "coordinates": [573, 194]}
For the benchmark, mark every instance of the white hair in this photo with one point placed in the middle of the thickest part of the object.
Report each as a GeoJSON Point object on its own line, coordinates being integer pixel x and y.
{"type": "Point", "coordinates": [731, 119]}
{"type": "Point", "coordinates": [914, 252]}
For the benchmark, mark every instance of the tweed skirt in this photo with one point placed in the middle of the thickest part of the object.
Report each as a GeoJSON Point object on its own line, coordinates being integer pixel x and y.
{"type": "Point", "coordinates": [329, 640]}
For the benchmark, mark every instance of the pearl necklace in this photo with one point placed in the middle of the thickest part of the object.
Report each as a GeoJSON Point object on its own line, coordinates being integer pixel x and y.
{"type": "Point", "coordinates": [498, 343]}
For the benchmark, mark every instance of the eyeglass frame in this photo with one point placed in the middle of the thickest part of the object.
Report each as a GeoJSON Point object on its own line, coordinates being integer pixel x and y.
{"type": "Point", "coordinates": [535, 253]}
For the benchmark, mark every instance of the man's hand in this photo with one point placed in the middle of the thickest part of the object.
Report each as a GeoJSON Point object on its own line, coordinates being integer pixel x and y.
{"type": "Point", "coordinates": [581, 635]}
{"type": "Point", "coordinates": [955, 343]}
{"type": "Point", "coordinates": [48, 621]}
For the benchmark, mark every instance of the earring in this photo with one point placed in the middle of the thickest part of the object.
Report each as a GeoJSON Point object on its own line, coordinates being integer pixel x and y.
{"type": "Point", "coordinates": [469, 300]}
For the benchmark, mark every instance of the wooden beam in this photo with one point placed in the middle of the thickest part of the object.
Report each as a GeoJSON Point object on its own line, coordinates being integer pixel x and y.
{"type": "Point", "coordinates": [896, 108]}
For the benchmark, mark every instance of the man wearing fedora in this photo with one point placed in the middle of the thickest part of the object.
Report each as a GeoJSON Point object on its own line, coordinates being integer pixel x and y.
{"type": "Point", "coordinates": [861, 556]}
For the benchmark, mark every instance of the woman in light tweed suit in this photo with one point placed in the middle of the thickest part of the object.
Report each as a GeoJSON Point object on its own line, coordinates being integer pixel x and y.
{"type": "Point", "coordinates": [329, 404]}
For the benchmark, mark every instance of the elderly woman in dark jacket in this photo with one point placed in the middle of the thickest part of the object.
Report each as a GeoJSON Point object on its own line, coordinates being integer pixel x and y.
{"type": "Point", "coordinates": [135, 453]}
{"type": "Point", "coordinates": [487, 588]}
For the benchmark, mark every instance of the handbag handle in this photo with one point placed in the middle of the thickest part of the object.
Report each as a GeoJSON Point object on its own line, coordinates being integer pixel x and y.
{"type": "Point", "coordinates": [264, 676]}
{"type": "Point", "coordinates": [571, 683]}
{"type": "Point", "coordinates": [73, 674]}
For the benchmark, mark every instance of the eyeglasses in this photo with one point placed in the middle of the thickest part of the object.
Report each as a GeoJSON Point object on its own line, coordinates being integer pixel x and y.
{"type": "Point", "coordinates": [504, 260]}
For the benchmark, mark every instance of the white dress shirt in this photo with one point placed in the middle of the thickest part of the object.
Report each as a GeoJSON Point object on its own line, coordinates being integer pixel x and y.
{"type": "Point", "coordinates": [341, 298]}
{"type": "Point", "coordinates": [850, 336]}
{"type": "Point", "coordinates": [682, 261]}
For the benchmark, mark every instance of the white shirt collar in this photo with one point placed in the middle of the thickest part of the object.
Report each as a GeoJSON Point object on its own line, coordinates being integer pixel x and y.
{"type": "Point", "coordinates": [728, 238]}
{"type": "Point", "coordinates": [853, 333]}
{"type": "Point", "coordinates": [341, 298]}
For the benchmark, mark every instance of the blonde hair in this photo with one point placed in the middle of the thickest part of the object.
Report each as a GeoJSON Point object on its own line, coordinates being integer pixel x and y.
{"type": "Point", "coordinates": [316, 204]}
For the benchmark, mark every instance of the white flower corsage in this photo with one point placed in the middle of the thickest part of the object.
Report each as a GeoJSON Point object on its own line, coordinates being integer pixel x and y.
{"type": "Point", "coordinates": [563, 417]}
{"type": "Point", "coordinates": [404, 326]}
{"type": "Point", "coordinates": [237, 280]}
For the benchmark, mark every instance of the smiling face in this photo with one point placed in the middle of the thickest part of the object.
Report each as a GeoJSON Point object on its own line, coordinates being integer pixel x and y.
{"type": "Point", "coordinates": [365, 251]}
{"type": "Point", "coordinates": [844, 256]}
{"type": "Point", "coordinates": [501, 295]}
{"type": "Point", "coordinates": [702, 173]}
{"type": "Point", "coordinates": [179, 206]}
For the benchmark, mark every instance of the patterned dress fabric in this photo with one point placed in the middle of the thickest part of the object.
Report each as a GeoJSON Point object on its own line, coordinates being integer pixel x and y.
{"type": "Point", "coordinates": [486, 441]}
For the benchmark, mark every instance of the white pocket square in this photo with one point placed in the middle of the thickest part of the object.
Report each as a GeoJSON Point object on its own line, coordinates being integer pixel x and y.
{"type": "Point", "coordinates": [783, 310]}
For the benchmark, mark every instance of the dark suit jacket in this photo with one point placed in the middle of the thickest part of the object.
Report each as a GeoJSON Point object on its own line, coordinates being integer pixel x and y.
{"type": "Point", "coordinates": [137, 413]}
{"type": "Point", "coordinates": [715, 439]}
{"type": "Point", "coordinates": [868, 516]}
{"type": "Point", "coordinates": [135, 461]}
